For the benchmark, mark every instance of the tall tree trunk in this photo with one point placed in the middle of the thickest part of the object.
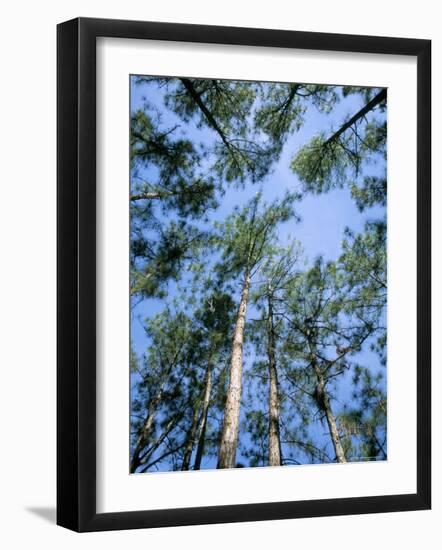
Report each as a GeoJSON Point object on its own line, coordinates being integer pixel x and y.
{"type": "Point", "coordinates": [191, 437]}
{"type": "Point", "coordinates": [334, 434]}
{"type": "Point", "coordinates": [229, 433]}
{"type": "Point", "coordinates": [333, 429]}
{"type": "Point", "coordinates": [274, 438]}
{"type": "Point", "coordinates": [323, 400]}
{"type": "Point", "coordinates": [203, 423]}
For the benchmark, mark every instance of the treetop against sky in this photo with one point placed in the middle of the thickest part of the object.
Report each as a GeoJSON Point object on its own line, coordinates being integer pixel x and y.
{"type": "Point", "coordinates": [258, 273]}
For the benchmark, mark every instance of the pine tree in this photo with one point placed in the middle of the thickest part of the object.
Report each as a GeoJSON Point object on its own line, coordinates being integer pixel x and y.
{"type": "Point", "coordinates": [237, 312]}
{"type": "Point", "coordinates": [274, 275]}
{"type": "Point", "coordinates": [327, 330]}
{"type": "Point", "coordinates": [247, 238]}
{"type": "Point", "coordinates": [164, 391]}
{"type": "Point", "coordinates": [338, 159]}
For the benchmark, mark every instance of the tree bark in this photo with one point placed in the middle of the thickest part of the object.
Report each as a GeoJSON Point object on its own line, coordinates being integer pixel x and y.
{"type": "Point", "coordinates": [203, 423]}
{"type": "Point", "coordinates": [274, 438]}
{"type": "Point", "coordinates": [323, 400]}
{"type": "Point", "coordinates": [191, 437]}
{"type": "Point", "coordinates": [229, 434]}
{"type": "Point", "coordinates": [334, 434]}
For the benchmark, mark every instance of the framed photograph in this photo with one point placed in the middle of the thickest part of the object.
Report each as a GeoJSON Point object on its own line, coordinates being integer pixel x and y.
{"type": "Point", "coordinates": [243, 274]}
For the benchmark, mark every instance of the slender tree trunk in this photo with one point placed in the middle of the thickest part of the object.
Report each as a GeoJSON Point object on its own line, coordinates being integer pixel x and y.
{"type": "Point", "coordinates": [229, 433]}
{"type": "Point", "coordinates": [334, 434]}
{"type": "Point", "coordinates": [323, 400]}
{"type": "Point", "coordinates": [274, 438]}
{"type": "Point", "coordinates": [203, 423]}
{"type": "Point", "coordinates": [191, 437]}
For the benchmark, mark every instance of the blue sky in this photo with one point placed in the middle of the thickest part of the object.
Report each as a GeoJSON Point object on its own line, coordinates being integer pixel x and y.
{"type": "Point", "coordinates": [323, 217]}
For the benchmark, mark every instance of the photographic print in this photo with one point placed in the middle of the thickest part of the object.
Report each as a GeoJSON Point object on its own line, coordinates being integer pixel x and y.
{"type": "Point", "coordinates": [258, 274]}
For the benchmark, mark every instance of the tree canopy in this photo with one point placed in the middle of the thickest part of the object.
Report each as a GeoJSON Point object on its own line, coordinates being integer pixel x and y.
{"type": "Point", "coordinates": [258, 273]}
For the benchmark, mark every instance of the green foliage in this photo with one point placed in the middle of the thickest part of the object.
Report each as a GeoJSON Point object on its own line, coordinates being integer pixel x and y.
{"type": "Point", "coordinates": [283, 106]}
{"type": "Point", "coordinates": [247, 234]}
{"type": "Point", "coordinates": [364, 426]}
{"type": "Point", "coordinates": [323, 313]}
{"type": "Point", "coordinates": [321, 165]}
{"type": "Point", "coordinates": [366, 93]}
{"type": "Point", "coordinates": [224, 107]}
{"type": "Point", "coordinates": [333, 161]}
{"type": "Point", "coordinates": [325, 331]}
{"type": "Point", "coordinates": [373, 191]}
{"type": "Point", "coordinates": [364, 265]}
{"type": "Point", "coordinates": [178, 183]}
{"type": "Point", "coordinates": [177, 186]}
{"type": "Point", "coordinates": [229, 102]}
{"type": "Point", "coordinates": [154, 264]}
{"type": "Point", "coordinates": [243, 159]}
{"type": "Point", "coordinates": [256, 424]}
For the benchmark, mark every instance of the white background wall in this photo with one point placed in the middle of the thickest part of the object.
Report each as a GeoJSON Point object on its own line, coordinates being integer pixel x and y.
{"type": "Point", "coordinates": [27, 273]}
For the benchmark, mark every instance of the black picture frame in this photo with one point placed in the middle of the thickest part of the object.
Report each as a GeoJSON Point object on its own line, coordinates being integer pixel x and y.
{"type": "Point", "coordinates": [76, 273]}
